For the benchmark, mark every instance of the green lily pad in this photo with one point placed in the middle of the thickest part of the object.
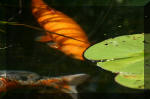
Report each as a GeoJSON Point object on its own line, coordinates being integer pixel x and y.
{"type": "Point", "coordinates": [131, 81]}
{"type": "Point", "coordinates": [119, 47]}
{"type": "Point", "coordinates": [134, 81]}
{"type": "Point", "coordinates": [128, 55]}
{"type": "Point", "coordinates": [132, 65]}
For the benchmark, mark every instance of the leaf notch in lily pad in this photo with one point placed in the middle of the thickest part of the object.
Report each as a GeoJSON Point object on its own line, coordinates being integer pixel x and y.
{"type": "Point", "coordinates": [125, 56]}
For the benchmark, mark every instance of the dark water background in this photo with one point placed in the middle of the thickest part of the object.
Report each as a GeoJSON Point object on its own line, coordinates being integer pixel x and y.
{"type": "Point", "coordinates": [100, 20]}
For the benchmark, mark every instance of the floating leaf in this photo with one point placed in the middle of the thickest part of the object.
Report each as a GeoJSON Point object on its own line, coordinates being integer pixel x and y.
{"type": "Point", "coordinates": [132, 65]}
{"type": "Point", "coordinates": [126, 56]}
{"type": "Point", "coordinates": [119, 47]}
{"type": "Point", "coordinates": [132, 81]}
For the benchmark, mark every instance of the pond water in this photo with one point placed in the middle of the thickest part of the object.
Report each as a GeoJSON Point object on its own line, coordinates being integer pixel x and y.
{"type": "Point", "coordinates": [100, 22]}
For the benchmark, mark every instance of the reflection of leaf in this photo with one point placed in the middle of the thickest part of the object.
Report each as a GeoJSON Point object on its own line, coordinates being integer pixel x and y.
{"type": "Point", "coordinates": [124, 55]}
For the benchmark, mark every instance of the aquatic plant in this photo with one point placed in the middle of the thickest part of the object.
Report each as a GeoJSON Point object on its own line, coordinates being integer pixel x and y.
{"type": "Point", "coordinates": [124, 55]}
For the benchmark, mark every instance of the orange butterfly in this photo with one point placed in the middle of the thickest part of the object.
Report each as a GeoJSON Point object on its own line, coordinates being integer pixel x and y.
{"type": "Point", "coordinates": [23, 79]}
{"type": "Point", "coordinates": [57, 22]}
